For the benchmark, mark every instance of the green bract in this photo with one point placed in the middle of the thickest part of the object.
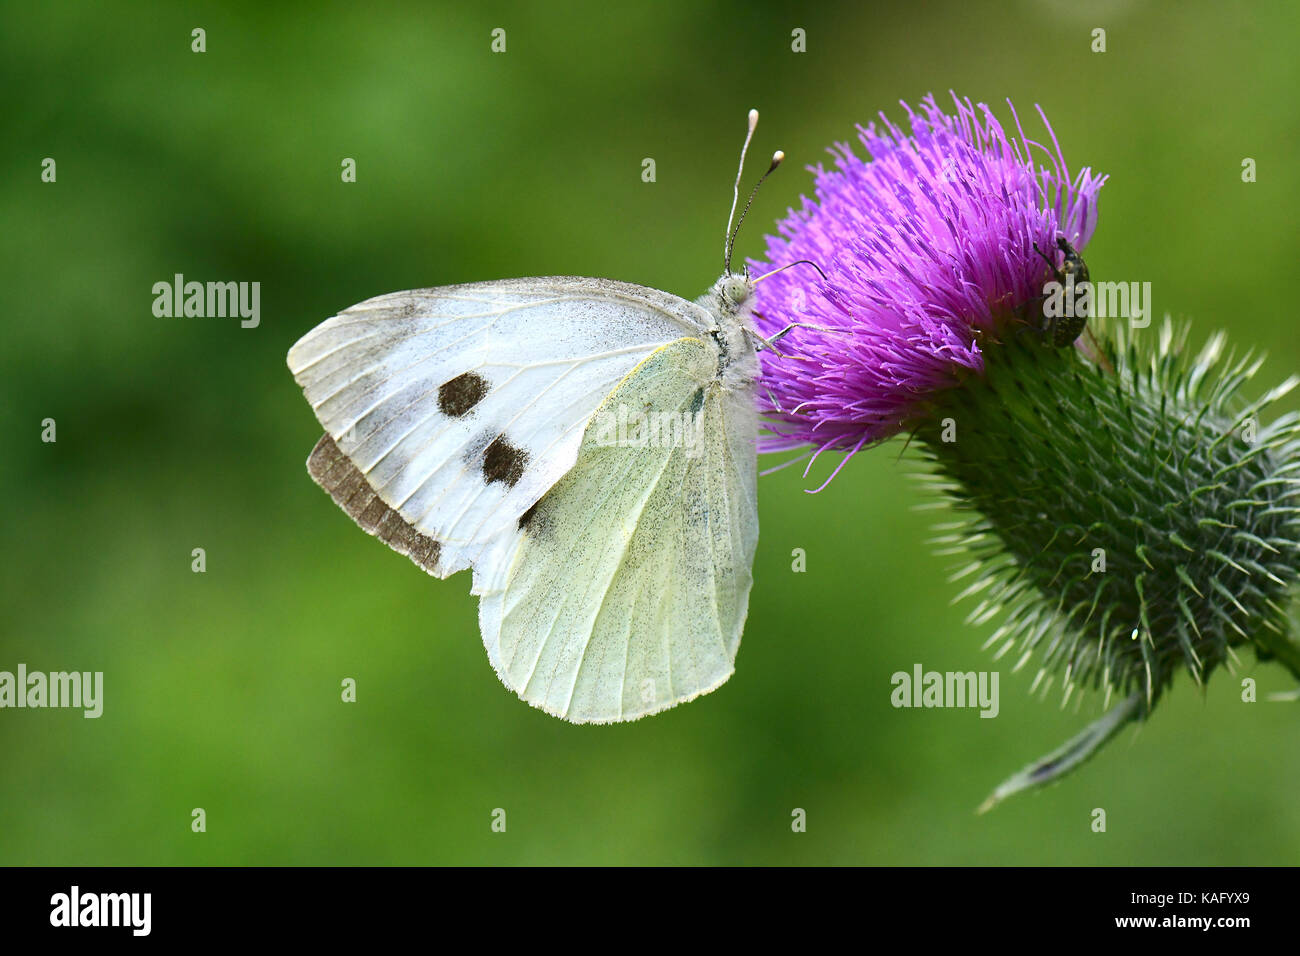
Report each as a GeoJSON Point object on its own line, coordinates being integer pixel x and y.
{"type": "Point", "coordinates": [1125, 519]}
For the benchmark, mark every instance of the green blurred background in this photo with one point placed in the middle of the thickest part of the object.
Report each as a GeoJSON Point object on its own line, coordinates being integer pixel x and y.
{"type": "Point", "coordinates": [222, 688]}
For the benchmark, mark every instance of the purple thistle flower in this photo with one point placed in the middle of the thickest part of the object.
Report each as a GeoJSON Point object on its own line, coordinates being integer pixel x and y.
{"type": "Point", "coordinates": [927, 247]}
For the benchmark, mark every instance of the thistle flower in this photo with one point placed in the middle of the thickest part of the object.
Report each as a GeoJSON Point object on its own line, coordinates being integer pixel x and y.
{"type": "Point", "coordinates": [1120, 510]}
{"type": "Point", "coordinates": [927, 249]}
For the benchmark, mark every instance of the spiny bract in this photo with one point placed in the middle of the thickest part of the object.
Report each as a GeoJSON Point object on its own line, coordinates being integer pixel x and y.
{"type": "Point", "coordinates": [1125, 523]}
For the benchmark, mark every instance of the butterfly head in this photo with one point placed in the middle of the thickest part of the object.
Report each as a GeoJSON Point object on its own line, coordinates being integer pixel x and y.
{"type": "Point", "coordinates": [731, 297]}
{"type": "Point", "coordinates": [735, 290]}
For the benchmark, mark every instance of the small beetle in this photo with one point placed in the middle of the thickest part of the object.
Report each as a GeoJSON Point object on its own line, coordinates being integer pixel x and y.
{"type": "Point", "coordinates": [1072, 275]}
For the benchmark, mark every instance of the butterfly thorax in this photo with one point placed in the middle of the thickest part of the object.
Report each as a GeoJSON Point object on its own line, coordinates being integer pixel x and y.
{"type": "Point", "coordinates": [730, 304]}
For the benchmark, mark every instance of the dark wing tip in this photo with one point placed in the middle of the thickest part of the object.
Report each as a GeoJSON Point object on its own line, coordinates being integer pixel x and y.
{"type": "Point", "coordinates": [344, 482]}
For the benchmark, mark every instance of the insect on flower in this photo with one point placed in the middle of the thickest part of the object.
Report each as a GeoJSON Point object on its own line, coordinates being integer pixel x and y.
{"type": "Point", "coordinates": [1062, 330]}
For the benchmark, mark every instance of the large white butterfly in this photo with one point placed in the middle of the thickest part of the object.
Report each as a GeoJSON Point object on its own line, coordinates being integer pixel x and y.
{"type": "Point", "coordinates": [587, 447]}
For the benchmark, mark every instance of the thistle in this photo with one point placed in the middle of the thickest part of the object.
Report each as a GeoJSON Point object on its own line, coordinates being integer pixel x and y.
{"type": "Point", "coordinates": [1121, 525]}
{"type": "Point", "coordinates": [1121, 512]}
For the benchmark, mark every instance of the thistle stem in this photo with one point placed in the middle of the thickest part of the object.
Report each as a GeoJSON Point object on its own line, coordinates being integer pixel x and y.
{"type": "Point", "coordinates": [1070, 754]}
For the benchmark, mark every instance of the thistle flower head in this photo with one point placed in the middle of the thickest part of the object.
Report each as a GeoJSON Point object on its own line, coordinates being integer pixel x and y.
{"type": "Point", "coordinates": [926, 246]}
{"type": "Point", "coordinates": [1120, 511]}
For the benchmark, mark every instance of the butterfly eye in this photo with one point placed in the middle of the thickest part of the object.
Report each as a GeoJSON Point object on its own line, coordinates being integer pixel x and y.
{"type": "Point", "coordinates": [736, 289]}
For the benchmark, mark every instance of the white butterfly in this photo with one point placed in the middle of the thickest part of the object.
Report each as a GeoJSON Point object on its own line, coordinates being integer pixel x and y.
{"type": "Point", "coordinates": [587, 447]}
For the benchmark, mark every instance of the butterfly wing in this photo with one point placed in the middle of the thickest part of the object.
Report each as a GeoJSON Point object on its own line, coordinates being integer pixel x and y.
{"type": "Point", "coordinates": [626, 588]}
{"type": "Point", "coordinates": [450, 411]}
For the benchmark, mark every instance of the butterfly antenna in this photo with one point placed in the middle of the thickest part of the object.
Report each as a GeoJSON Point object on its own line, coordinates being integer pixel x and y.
{"type": "Point", "coordinates": [735, 193]}
{"type": "Point", "coordinates": [777, 158]}
{"type": "Point", "coordinates": [791, 265]}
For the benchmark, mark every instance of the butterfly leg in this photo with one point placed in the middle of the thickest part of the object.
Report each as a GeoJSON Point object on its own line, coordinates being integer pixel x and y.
{"type": "Point", "coordinates": [773, 399]}
{"type": "Point", "coordinates": [764, 343]}
{"type": "Point", "coordinates": [770, 344]}
{"type": "Point", "coordinates": [804, 325]}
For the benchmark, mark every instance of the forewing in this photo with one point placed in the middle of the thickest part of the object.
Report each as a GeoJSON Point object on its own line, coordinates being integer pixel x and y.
{"type": "Point", "coordinates": [460, 406]}
{"type": "Point", "coordinates": [626, 590]}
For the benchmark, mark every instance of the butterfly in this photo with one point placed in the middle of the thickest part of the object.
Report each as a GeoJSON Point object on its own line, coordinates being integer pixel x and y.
{"type": "Point", "coordinates": [586, 447]}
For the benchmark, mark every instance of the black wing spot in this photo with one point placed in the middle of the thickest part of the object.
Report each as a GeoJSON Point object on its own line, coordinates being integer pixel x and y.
{"type": "Point", "coordinates": [526, 519]}
{"type": "Point", "coordinates": [697, 401]}
{"type": "Point", "coordinates": [462, 393]}
{"type": "Point", "coordinates": [536, 521]}
{"type": "Point", "coordinates": [504, 462]}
